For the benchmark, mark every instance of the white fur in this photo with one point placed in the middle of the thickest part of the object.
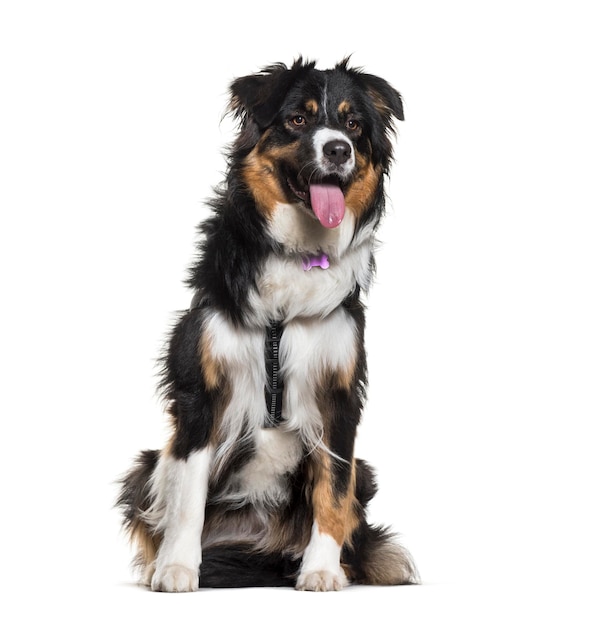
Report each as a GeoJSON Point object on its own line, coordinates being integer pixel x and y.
{"type": "Point", "coordinates": [311, 347]}
{"type": "Point", "coordinates": [241, 352]}
{"type": "Point", "coordinates": [180, 490]}
{"type": "Point", "coordinates": [325, 100]}
{"type": "Point", "coordinates": [285, 291]}
{"type": "Point", "coordinates": [300, 232]}
{"type": "Point", "coordinates": [264, 479]}
{"type": "Point", "coordinates": [321, 569]}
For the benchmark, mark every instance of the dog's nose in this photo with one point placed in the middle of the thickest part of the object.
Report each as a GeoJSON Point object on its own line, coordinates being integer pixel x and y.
{"type": "Point", "coordinates": [337, 151]}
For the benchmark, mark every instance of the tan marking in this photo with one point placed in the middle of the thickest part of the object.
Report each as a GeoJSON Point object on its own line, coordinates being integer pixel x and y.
{"type": "Point", "coordinates": [380, 103]}
{"type": "Point", "coordinates": [261, 175]}
{"type": "Point", "coordinates": [344, 108]}
{"type": "Point", "coordinates": [219, 406]}
{"type": "Point", "coordinates": [340, 378]}
{"type": "Point", "coordinates": [335, 516]}
{"type": "Point", "coordinates": [211, 368]}
{"type": "Point", "coordinates": [361, 191]}
{"type": "Point", "coordinates": [343, 378]}
{"type": "Point", "coordinates": [147, 544]}
{"type": "Point", "coordinates": [215, 380]}
{"type": "Point", "coordinates": [311, 107]}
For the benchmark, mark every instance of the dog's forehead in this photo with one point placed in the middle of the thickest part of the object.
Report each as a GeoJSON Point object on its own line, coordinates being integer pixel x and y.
{"type": "Point", "coordinates": [329, 91]}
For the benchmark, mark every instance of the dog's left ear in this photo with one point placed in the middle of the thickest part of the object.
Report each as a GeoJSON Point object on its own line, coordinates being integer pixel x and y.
{"type": "Point", "coordinates": [386, 99]}
{"type": "Point", "coordinates": [260, 96]}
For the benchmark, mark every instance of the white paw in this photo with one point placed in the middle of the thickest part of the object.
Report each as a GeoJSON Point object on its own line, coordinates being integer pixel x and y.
{"type": "Point", "coordinates": [174, 578]}
{"type": "Point", "coordinates": [321, 581]}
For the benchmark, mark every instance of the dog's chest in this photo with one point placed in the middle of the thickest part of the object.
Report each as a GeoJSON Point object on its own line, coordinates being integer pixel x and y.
{"type": "Point", "coordinates": [285, 290]}
{"type": "Point", "coordinates": [309, 350]}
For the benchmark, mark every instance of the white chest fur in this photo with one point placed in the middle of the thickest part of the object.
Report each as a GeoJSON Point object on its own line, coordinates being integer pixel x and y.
{"type": "Point", "coordinates": [285, 291]}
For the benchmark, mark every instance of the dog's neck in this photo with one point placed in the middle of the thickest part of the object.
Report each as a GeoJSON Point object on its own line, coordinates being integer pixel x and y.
{"type": "Point", "coordinates": [301, 234]}
{"type": "Point", "coordinates": [315, 260]}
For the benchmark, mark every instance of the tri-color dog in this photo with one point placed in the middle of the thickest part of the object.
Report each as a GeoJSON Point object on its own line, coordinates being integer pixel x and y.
{"type": "Point", "coordinates": [265, 373]}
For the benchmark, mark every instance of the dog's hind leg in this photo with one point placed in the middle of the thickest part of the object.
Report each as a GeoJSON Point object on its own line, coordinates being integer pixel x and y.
{"type": "Point", "coordinates": [179, 489]}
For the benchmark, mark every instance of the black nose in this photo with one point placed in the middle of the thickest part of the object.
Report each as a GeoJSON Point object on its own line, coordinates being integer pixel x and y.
{"type": "Point", "coordinates": [337, 151]}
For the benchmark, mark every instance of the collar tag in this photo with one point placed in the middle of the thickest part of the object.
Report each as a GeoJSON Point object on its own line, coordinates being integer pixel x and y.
{"type": "Point", "coordinates": [311, 261]}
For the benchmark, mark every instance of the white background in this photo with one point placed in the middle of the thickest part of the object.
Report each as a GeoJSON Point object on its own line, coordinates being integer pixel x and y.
{"type": "Point", "coordinates": [481, 333]}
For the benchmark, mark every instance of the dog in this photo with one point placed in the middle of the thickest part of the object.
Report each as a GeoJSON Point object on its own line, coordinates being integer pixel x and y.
{"type": "Point", "coordinates": [264, 376]}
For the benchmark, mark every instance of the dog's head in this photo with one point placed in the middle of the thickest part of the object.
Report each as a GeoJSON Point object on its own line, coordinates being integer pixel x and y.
{"type": "Point", "coordinates": [317, 141]}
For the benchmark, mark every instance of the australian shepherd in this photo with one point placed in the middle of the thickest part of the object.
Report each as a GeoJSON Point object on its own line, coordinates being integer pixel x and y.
{"type": "Point", "coordinates": [264, 375]}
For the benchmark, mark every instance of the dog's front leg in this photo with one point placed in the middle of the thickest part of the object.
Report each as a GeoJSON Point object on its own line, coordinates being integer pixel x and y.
{"type": "Point", "coordinates": [180, 487]}
{"type": "Point", "coordinates": [334, 521]}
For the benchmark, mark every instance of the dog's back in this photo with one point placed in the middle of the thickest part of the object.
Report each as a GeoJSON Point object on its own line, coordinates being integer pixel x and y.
{"type": "Point", "coordinates": [265, 374]}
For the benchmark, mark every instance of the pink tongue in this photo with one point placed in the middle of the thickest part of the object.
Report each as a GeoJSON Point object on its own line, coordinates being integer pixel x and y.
{"type": "Point", "coordinates": [328, 204]}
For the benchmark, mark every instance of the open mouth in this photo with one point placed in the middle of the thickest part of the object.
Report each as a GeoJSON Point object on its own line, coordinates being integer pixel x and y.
{"type": "Point", "coordinates": [325, 197]}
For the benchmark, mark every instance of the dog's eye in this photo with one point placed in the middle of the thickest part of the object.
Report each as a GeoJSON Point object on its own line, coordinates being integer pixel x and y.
{"type": "Point", "coordinates": [352, 124]}
{"type": "Point", "coordinates": [298, 120]}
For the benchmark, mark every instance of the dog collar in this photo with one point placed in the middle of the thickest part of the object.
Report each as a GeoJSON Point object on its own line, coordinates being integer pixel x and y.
{"type": "Point", "coordinates": [319, 260]}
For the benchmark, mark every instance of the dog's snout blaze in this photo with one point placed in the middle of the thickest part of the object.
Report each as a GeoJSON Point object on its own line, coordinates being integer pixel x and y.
{"type": "Point", "coordinates": [337, 151]}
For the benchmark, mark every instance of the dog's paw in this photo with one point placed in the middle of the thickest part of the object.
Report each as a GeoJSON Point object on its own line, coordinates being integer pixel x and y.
{"type": "Point", "coordinates": [174, 578]}
{"type": "Point", "coordinates": [323, 580]}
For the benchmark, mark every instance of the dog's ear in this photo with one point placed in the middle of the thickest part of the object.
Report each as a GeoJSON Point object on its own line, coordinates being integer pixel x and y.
{"type": "Point", "coordinates": [386, 103]}
{"type": "Point", "coordinates": [386, 99]}
{"type": "Point", "coordinates": [261, 95]}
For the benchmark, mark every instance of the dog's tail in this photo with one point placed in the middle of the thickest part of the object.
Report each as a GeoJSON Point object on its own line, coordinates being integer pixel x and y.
{"type": "Point", "coordinates": [134, 500]}
{"type": "Point", "coordinates": [374, 555]}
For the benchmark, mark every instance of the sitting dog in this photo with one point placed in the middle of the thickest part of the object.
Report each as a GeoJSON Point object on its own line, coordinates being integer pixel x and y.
{"type": "Point", "coordinates": [265, 374]}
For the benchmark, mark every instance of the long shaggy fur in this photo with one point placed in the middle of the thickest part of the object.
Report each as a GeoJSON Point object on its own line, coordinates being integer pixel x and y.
{"type": "Point", "coordinates": [238, 496]}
